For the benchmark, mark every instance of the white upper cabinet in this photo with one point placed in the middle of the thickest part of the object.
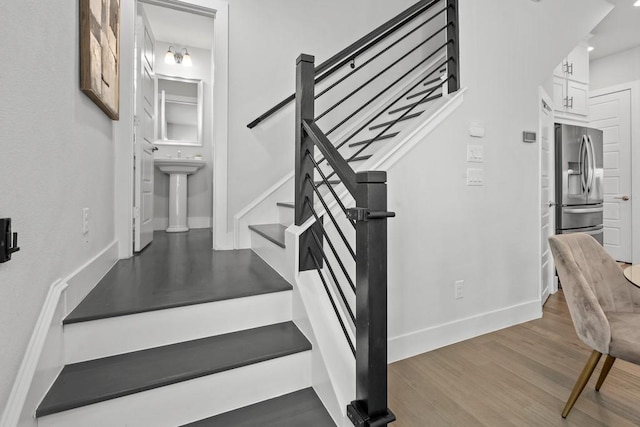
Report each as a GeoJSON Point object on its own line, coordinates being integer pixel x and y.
{"type": "Point", "coordinates": [577, 64]}
{"type": "Point", "coordinates": [571, 85]}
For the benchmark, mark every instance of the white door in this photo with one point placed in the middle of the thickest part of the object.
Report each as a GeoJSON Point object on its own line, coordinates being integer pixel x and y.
{"type": "Point", "coordinates": [546, 132]}
{"type": "Point", "coordinates": [611, 112]}
{"type": "Point", "coordinates": [144, 126]}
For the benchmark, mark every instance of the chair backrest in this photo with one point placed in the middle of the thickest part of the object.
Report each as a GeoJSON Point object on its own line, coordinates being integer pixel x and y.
{"type": "Point", "coordinates": [593, 285]}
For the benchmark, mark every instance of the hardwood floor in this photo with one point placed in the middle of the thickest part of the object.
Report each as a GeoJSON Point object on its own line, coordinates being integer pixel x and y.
{"type": "Point", "coordinates": [519, 376]}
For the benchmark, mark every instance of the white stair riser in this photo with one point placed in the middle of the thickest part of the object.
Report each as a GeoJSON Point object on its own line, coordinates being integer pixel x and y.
{"type": "Point", "coordinates": [272, 254]}
{"type": "Point", "coordinates": [116, 335]}
{"type": "Point", "coordinates": [188, 401]}
{"type": "Point", "coordinates": [286, 215]}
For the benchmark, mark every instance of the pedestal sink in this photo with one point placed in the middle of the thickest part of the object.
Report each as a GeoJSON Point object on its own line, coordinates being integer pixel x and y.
{"type": "Point", "coordinates": [178, 169]}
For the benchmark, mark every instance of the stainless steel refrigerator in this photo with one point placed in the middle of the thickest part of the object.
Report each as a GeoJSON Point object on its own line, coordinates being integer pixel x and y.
{"type": "Point", "coordinates": [579, 180]}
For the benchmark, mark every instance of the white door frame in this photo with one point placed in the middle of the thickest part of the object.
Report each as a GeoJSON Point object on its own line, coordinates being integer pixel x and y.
{"type": "Point", "coordinates": [634, 88]}
{"type": "Point", "coordinates": [543, 97]}
{"type": "Point", "coordinates": [123, 129]}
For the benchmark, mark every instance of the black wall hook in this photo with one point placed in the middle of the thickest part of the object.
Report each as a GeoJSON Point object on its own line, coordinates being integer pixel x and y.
{"type": "Point", "coordinates": [8, 240]}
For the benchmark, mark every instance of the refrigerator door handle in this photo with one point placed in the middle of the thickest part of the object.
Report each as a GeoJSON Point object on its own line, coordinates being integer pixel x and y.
{"type": "Point", "coordinates": [594, 231]}
{"type": "Point", "coordinates": [581, 163]}
{"type": "Point", "coordinates": [592, 163]}
{"type": "Point", "coordinates": [583, 210]}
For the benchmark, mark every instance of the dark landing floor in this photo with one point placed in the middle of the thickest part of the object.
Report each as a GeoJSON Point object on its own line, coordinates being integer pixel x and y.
{"type": "Point", "coordinates": [177, 269]}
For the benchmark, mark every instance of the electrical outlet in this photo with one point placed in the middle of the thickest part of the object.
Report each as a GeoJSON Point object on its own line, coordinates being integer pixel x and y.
{"type": "Point", "coordinates": [85, 220]}
{"type": "Point", "coordinates": [475, 177]}
{"type": "Point", "coordinates": [458, 287]}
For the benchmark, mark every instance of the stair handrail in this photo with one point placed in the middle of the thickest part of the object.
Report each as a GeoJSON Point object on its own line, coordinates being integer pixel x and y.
{"type": "Point", "coordinates": [345, 56]}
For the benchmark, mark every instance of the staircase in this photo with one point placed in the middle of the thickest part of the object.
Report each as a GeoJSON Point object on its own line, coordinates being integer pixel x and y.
{"type": "Point", "coordinates": [208, 338]}
{"type": "Point", "coordinates": [394, 84]}
{"type": "Point", "coordinates": [182, 335]}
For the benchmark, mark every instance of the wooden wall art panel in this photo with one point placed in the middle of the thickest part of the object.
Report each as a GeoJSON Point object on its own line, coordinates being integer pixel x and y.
{"type": "Point", "coordinates": [100, 53]}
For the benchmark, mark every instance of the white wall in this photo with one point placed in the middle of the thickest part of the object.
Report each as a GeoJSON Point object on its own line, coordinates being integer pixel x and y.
{"type": "Point", "coordinates": [56, 157]}
{"type": "Point", "coordinates": [487, 236]}
{"type": "Point", "coordinates": [265, 38]}
{"type": "Point", "coordinates": [200, 184]}
{"type": "Point", "coordinates": [622, 67]}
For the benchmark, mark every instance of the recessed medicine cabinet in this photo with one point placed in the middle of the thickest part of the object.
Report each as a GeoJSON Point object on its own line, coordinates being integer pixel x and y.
{"type": "Point", "coordinates": [179, 111]}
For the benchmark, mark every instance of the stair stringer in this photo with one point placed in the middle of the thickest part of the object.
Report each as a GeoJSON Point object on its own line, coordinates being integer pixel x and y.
{"type": "Point", "coordinates": [333, 365]}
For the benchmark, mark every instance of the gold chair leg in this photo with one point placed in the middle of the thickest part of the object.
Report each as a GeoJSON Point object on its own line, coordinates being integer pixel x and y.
{"type": "Point", "coordinates": [582, 381]}
{"type": "Point", "coordinates": [608, 363]}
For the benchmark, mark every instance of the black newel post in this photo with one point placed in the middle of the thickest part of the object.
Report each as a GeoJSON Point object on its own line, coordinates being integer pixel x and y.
{"type": "Point", "coordinates": [305, 96]}
{"type": "Point", "coordinates": [305, 76]}
{"type": "Point", "coordinates": [370, 406]}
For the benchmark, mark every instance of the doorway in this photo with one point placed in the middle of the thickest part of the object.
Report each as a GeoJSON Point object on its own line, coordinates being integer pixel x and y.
{"type": "Point", "coordinates": [174, 52]}
{"type": "Point", "coordinates": [610, 111]}
{"type": "Point", "coordinates": [216, 141]}
{"type": "Point", "coordinates": [548, 284]}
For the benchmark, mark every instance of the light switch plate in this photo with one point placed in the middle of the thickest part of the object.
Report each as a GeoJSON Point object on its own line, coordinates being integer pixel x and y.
{"type": "Point", "coordinates": [475, 153]}
{"type": "Point", "coordinates": [476, 129]}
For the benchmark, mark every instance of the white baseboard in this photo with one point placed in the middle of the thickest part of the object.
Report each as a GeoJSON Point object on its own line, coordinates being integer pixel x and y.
{"type": "Point", "coordinates": [44, 356]}
{"type": "Point", "coordinates": [418, 342]}
{"type": "Point", "coordinates": [85, 278]}
{"type": "Point", "coordinates": [195, 222]}
{"type": "Point", "coordinates": [27, 370]}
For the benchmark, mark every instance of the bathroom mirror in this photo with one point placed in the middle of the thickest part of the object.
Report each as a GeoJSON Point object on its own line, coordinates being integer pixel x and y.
{"type": "Point", "coordinates": [179, 111]}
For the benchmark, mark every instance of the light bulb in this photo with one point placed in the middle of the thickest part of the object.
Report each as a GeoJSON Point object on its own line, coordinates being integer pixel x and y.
{"type": "Point", "coordinates": [186, 60]}
{"type": "Point", "coordinates": [169, 58]}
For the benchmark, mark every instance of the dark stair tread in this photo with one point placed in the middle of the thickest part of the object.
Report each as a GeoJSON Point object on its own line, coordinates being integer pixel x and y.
{"type": "Point", "coordinates": [301, 408]}
{"type": "Point", "coordinates": [406, 107]}
{"type": "Point", "coordinates": [98, 380]}
{"type": "Point", "coordinates": [286, 204]}
{"type": "Point", "coordinates": [366, 141]}
{"type": "Point", "coordinates": [177, 270]}
{"type": "Point", "coordinates": [407, 117]}
{"type": "Point", "coordinates": [271, 232]}
{"type": "Point", "coordinates": [360, 158]}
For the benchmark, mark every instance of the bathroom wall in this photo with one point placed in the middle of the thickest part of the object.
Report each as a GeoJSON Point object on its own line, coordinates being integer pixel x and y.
{"type": "Point", "coordinates": [200, 195]}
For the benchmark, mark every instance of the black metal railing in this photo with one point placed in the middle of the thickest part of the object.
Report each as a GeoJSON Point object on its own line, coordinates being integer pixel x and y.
{"type": "Point", "coordinates": [415, 56]}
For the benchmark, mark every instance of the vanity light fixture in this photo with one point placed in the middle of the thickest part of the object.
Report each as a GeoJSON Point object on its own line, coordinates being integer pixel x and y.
{"type": "Point", "coordinates": [182, 57]}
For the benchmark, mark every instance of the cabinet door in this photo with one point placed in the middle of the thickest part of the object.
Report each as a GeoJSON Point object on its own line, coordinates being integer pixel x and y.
{"type": "Point", "coordinates": [559, 93]}
{"type": "Point", "coordinates": [578, 61]}
{"type": "Point", "coordinates": [578, 94]}
{"type": "Point", "coordinates": [559, 70]}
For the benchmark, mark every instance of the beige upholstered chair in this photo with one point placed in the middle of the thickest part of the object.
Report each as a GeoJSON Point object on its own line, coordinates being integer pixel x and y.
{"type": "Point", "coordinates": [604, 306]}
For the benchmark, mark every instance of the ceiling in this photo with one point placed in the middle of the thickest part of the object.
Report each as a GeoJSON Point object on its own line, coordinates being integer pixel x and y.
{"type": "Point", "coordinates": [180, 28]}
{"type": "Point", "coordinates": [618, 31]}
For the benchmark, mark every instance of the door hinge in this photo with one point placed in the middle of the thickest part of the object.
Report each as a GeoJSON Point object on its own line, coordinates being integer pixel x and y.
{"type": "Point", "coordinates": [136, 212]}
{"type": "Point", "coordinates": [363, 214]}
